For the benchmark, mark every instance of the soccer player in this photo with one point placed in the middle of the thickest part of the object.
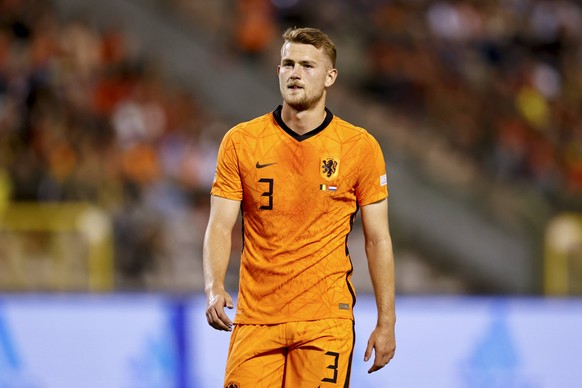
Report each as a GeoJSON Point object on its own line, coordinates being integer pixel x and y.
{"type": "Point", "coordinates": [299, 175]}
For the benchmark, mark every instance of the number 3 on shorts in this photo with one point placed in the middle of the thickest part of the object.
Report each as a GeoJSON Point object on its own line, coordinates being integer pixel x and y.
{"type": "Point", "coordinates": [333, 366]}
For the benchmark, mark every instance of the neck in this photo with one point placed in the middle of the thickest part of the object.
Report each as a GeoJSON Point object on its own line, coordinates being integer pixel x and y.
{"type": "Point", "coordinates": [303, 121]}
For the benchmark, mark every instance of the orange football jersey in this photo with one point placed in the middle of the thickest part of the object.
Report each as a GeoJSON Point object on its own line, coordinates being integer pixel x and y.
{"type": "Point", "coordinates": [299, 196]}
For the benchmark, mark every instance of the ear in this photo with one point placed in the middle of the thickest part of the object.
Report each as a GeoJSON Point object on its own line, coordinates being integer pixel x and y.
{"type": "Point", "coordinates": [331, 77]}
{"type": "Point", "coordinates": [278, 69]}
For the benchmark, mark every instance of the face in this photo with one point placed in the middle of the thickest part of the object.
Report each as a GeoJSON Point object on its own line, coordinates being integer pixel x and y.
{"type": "Point", "coordinates": [304, 74]}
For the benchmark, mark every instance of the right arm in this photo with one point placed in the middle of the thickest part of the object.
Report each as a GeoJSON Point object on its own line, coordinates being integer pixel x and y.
{"type": "Point", "coordinates": [216, 255]}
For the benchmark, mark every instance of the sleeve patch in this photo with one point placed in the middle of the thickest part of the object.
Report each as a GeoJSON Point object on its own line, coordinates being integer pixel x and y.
{"type": "Point", "coordinates": [383, 180]}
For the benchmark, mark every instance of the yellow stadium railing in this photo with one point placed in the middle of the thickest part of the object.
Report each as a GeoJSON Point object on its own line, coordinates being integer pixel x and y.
{"type": "Point", "coordinates": [55, 247]}
{"type": "Point", "coordinates": [563, 255]}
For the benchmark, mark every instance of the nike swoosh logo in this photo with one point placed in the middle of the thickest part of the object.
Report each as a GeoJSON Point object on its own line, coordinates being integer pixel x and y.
{"type": "Point", "coordinates": [258, 165]}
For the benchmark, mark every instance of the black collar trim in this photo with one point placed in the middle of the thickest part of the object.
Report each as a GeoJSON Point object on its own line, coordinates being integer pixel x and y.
{"type": "Point", "coordinates": [295, 135]}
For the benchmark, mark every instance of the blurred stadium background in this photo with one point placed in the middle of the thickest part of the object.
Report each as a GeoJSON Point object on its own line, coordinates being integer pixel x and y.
{"type": "Point", "coordinates": [111, 112]}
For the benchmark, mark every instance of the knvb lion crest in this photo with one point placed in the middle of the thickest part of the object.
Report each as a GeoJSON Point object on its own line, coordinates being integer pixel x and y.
{"type": "Point", "coordinates": [232, 384]}
{"type": "Point", "coordinates": [329, 168]}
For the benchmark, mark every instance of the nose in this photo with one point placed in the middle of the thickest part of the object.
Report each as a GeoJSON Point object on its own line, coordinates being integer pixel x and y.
{"type": "Point", "coordinates": [296, 72]}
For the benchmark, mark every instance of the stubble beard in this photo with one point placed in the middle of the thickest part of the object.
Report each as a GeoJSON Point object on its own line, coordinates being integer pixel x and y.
{"type": "Point", "coordinates": [302, 103]}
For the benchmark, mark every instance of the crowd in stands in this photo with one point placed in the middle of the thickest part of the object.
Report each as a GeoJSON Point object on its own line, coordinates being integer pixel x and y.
{"type": "Point", "coordinates": [85, 116]}
{"type": "Point", "coordinates": [498, 79]}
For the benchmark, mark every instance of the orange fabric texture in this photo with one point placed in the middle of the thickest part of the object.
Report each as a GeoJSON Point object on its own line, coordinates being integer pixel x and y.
{"type": "Point", "coordinates": [295, 354]}
{"type": "Point", "coordinates": [299, 198]}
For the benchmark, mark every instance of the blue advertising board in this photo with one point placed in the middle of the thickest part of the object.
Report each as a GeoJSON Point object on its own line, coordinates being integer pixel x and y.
{"type": "Point", "coordinates": [151, 341]}
{"type": "Point", "coordinates": [86, 342]}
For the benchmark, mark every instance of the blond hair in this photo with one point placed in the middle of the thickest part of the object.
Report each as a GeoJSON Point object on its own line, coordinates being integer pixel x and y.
{"type": "Point", "coordinates": [314, 37]}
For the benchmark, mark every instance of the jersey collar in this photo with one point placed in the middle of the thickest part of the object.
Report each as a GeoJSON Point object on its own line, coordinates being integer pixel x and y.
{"type": "Point", "coordinates": [307, 135]}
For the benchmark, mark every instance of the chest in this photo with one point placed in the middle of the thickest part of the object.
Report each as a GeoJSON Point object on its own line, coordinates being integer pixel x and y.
{"type": "Point", "coordinates": [285, 174]}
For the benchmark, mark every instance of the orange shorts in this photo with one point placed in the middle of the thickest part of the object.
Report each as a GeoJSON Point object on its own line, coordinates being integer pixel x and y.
{"type": "Point", "coordinates": [293, 355]}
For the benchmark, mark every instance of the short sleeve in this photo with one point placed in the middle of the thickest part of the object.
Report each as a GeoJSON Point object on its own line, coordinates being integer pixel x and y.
{"type": "Point", "coordinates": [227, 180]}
{"type": "Point", "coordinates": [372, 184]}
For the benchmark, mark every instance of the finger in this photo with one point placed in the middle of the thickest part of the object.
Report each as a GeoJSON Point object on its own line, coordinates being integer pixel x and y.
{"type": "Point", "coordinates": [381, 362]}
{"type": "Point", "coordinates": [211, 317]}
{"type": "Point", "coordinates": [368, 352]}
{"type": "Point", "coordinates": [214, 319]}
{"type": "Point", "coordinates": [219, 325]}
{"type": "Point", "coordinates": [228, 302]}
{"type": "Point", "coordinates": [376, 366]}
{"type": "Point", "coordinates": [224, 319]}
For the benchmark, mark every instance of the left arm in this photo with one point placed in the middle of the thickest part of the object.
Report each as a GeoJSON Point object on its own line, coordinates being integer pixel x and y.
{"type": "Point", "coordinates": [381, 267]}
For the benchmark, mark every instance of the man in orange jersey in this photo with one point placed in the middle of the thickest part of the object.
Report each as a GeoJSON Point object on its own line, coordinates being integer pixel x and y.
{"type": "Point", "coordinates": [299, 175]}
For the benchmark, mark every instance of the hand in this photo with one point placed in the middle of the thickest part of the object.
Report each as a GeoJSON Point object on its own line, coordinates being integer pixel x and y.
{"type": "Point", "coordinates": [215, 315]}
{"type": "Point", "coordinates": [383, 342]}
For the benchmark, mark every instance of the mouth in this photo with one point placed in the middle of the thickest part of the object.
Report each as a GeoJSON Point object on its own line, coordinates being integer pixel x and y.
{"type": "Point", "coordinates": [294, 87]}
